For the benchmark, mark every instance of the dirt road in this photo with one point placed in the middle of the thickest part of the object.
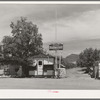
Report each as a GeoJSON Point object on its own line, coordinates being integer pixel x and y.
{"type": "Point", "coordinates": [76, 79]}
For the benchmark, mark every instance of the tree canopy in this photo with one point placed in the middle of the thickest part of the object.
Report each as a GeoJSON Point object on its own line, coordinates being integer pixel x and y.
{"type": "Point", "coordinates": [87, 57]}
{"type": "Point", "coordinates": [25, 40]}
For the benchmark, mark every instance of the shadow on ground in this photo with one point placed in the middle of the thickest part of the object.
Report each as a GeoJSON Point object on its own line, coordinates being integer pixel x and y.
{"type": "Point", "coordinates": [84, 70]}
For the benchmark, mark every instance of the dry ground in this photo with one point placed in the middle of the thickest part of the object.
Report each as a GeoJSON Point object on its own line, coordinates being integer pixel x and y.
{"type": "Point", "coordinates": [76, 79]}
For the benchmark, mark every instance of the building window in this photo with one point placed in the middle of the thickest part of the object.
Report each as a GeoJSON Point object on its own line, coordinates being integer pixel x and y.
{"type": "Point", "coordinates": [40, 62]}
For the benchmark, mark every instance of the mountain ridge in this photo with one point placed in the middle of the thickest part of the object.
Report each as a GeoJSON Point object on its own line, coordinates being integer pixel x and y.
{"type": "Point", "coordinates": [72, 58]}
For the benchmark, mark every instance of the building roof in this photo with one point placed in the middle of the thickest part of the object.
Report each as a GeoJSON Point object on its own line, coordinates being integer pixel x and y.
{"type": "Point", "coordinates": [43, 56]}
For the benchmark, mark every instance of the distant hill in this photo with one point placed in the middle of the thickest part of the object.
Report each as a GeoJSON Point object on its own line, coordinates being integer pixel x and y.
{"type": "Point", "coordinates": [71, 58]}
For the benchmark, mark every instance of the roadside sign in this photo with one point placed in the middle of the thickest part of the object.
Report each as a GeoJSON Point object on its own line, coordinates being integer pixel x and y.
{"type": "Point", "coordinates": [56, 46]}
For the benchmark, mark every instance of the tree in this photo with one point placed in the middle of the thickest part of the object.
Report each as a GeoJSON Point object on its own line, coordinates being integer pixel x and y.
{"type": "Point", "coordinates": [25, 40]}
{"type": "Point", "coordinates": [8, 45]}
{"type": "Point", "coordinates": [88, 57]}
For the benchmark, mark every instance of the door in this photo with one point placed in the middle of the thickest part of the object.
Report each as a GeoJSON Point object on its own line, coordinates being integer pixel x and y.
{"type": "Point", "coordinates": [40, 67]}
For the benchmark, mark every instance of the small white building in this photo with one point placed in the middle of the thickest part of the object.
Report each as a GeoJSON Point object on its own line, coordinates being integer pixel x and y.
{"type": "Point", "coordinates": [44, 65]}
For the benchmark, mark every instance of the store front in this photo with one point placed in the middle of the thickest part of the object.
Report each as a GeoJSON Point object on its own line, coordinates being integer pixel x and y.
{"type": "Point", "coordinates": [43, 65]}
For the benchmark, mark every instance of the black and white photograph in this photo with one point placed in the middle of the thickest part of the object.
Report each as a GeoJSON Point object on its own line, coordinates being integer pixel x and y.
{"type": "Point", "coordinates": [50, 46]}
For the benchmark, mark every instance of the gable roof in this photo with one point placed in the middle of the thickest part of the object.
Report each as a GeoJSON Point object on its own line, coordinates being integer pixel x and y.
{"type": "Point", "coordinates": [42, 56]}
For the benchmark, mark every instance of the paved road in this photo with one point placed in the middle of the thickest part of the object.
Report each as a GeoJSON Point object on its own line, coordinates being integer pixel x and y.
{"type": "Point", "coordinates": [76, 79]}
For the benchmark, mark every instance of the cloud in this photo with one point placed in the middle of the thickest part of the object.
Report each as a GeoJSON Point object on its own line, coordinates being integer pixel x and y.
{"type": "Point", "coordinates": [84, 26]}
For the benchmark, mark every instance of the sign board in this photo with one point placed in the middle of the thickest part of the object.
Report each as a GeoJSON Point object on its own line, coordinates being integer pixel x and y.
{"type": "Point", "coordinates": [56, 46]}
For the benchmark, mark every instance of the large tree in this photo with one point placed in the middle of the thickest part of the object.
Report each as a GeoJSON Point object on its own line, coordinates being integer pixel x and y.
{"type": "Point", "coordinates": [25, 40]}
{"type": "Point", "coordinates": [88, 57]}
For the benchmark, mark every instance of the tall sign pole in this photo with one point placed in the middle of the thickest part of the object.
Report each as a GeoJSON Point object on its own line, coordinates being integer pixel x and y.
{"type": "Point", "coordinates": [56, 46]}
{"type": "Point", "coordinates": [55, 24]}
{"type": "Point", "coordinates": [56, 63]}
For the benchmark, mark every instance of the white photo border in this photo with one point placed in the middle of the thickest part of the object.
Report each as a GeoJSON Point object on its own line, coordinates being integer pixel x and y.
{"type": "Point", "coordinates": [48, 94]}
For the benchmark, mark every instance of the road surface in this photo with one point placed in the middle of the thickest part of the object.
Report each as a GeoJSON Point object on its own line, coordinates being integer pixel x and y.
{"type": "Point", "coordinates": [76, 80]}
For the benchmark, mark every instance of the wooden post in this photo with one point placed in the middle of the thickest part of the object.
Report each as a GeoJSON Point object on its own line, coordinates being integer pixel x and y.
{"type": "Point", "coordinates": [59, 61]}
{"type": "Point", "coordinates": [56, 64]}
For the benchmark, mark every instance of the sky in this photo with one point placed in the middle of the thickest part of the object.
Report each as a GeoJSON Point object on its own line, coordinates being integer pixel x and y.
{"type": "Point", "coordinates": [78, 25]}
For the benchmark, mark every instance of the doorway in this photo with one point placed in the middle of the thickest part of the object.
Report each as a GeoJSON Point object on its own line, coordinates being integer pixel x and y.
{"type": "Point", "coordinates": [40, 67]}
